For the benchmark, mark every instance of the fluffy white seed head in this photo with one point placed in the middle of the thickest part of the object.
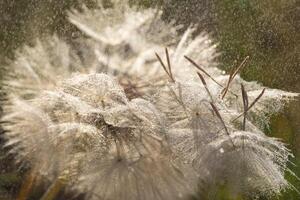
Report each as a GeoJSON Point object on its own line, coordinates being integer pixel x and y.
{"type": "Point", "coordinates": [109, 119]}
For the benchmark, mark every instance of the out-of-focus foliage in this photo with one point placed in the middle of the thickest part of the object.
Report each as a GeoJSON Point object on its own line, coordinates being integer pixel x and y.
{"type": "Point", "coordinates": [267, 31]}
{"type": "Point", "coordinates": [191, 12]}
{"type": "Point", "coordinates": [146, 3]}
{"type": "Point", "coordinates": [22, 21]}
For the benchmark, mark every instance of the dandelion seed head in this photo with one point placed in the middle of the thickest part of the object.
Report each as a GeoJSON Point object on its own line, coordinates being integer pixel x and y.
{"type": "Point", "coordinates": [133, 111]}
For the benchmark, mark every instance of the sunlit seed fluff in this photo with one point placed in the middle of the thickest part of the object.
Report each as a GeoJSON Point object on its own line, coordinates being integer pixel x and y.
{"type": "Point", "coordinates": [119, 116]}
{"type": "Point", "coordinates": [261, 161]}
{"type": "Point", "coordinates": [89, 120]}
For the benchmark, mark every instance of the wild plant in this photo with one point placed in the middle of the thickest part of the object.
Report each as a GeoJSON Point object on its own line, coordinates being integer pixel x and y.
{"type": "Point", "coordinates": [134, 111]}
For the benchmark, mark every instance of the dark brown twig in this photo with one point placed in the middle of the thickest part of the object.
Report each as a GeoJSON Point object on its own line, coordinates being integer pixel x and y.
{"type": "Point", "coordinates": [202, 70]}
{"type": "Point", "coordinates": [168, 72]}
{"type": "Point", "coordinates": [162, 63]}
{"type": "Point", "coordinates": [252, 104]}
{"type": "Point", "coordinates": [222, 121]}
{"type": "Point", "coordinates": [246, 104]}
{"type": "Point", "coordinates": [205, 85]}
{"type": "Point", "coordinates": [169, 63]}
{"type": "Point", "coordinates": [257, 98]}
{"type": "Point", "coordinates": [240, 67]}
{"type": "Point", "coordinates": [206, 73]}
{"type": "Point", "coordinates": [232, 76]}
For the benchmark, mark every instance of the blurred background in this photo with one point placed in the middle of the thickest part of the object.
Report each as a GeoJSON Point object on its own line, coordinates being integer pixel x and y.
{"type": "Point", "coordinates": [267, 31]}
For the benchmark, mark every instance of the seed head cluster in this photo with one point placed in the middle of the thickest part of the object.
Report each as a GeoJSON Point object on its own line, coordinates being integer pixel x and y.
{"type": "Point", "coordinates": [133, 111]}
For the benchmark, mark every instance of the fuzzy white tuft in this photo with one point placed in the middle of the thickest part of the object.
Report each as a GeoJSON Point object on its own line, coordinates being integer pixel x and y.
{"type": "Point", "coordinates": [107, 116]}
